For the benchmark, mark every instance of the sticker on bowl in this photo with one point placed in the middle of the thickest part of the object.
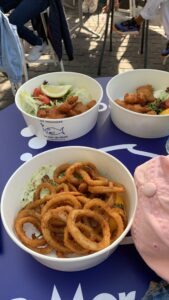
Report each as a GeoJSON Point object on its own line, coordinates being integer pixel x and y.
{"type": "Point", "coordinates": [53, 132]}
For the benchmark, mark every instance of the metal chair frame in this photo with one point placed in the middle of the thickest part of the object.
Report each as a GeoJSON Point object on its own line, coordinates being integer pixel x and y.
{"type": "Point", "coordinates": [54, 57]}
{"type": "Point", "coordinates": [110, 16]}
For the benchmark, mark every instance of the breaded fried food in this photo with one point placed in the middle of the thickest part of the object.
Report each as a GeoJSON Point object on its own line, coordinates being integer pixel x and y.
{"type": "Point", "coordinates": [131, 98]}
{"type": "Point", "coordinates": [146, 91]}
{"type": "Point", "coordinates": [133, 107]}
{"type": "Point", "coordinates": [134, 98]}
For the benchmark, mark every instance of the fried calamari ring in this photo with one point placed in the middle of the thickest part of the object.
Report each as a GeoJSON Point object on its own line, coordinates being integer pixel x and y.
{"type": "Point", "coordinates": [80, 238]}
{"type": "Point", "coordinates": [102, 208]}
{"type": "Point", "coordinates": [38, 204]}
{"type": "Point", "coordinates": [122, 213]}
{"type": "Point", "coordinates": [100, 189]}
{"type": "Point", "coordinates": [71, 244]}
{"type": "Point", "coordinates": [73, 170]}
{"type": "Point", "coordinates": [97, 204]}
{"type": "Point", "coordinates": [57, 224]}
{"type": "Point", "coordinates": [89, 231]}
{"type": "Point", "coordinates": [61, 199]}
{"type": "Point", "coordinates": [105, 189]}
{"type": "Point", "coordinates": [94, 182]}
{"type": "Point", "coordinates": [70, 219]}
{"type": "Point", "coordinates": [28, 213]}
{"type": "Point", "coordinates": [110, 199]}
{"type": "Point", "coordinates": [118, 187]}
{"type": "Point", "coordinates": [42, 186]}
{"type": "Point", "coordinates": [19, 223]}
{"type": "Point", "coordinates": [60, 171]}
{"type": "Point", "coordinates": [120, 207]}
{"type": "Point", "coordinates": [63, 187]}
{"type": "Point", "coordinates": [83, 199]}
{"type": "Point", "coordinates": [54, 240]}
{"type": "Point", "coordinates": [120, 226]}
{"type": "Point", "coordinates": [83, 187]}
{"type": "Point", "coordinates": [72, 188]}
{"type": "Point", "coordinates": [114, 218]}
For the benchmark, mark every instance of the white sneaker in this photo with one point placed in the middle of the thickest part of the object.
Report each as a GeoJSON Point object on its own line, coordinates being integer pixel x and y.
{"type": "Point", "coordinates": [36, 52]}
{"type": "Point", "coordinates": [89, 6]}
{"type": "Point", "coordinates": [93, 6]}
{"type": "Point", "coordinates": [85, 7]}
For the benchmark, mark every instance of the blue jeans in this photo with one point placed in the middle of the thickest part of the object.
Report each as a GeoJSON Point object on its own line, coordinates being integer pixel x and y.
{"type": "Point", "coordinates": [157, 291]}
{"type": "Point", "coordinates": [23, 11]}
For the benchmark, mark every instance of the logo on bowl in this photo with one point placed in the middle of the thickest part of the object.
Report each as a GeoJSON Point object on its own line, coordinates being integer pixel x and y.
{"type": "Point", "coordinates": [53, 133]}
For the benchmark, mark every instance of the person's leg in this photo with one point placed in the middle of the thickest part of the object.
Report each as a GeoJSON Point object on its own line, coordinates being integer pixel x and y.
{"type": "Point", "coordinates": [151, 8]}
{"type": "Point", "coordinates": [7, 5]}
{"type": "Point", "coordinates": [106, 7]}
{"type": "Point", "coordinates": [165, 17]}
{"type": "Point", "coordinates": [165, 21]}
{"type": "Point", "coordinates": [25, 11]}
{"type": "Point", "coordinates": [147, 13]}
{"type": "Point", "coordinates": [37, 26]}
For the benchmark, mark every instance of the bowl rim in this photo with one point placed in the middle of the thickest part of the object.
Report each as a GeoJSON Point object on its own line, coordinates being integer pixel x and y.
{"type": "Point", "coordinates": [139, 115]}
{"type": "Point", "coordinates": [59, 119]}
{"type": "Point", "coordinates": [56, 259]}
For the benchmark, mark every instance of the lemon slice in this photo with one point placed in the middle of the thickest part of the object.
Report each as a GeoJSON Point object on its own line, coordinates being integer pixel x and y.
{"type": "Point", "coordinates": [165, 112]}
{"type": "Point", "coordinates": [55, 91]}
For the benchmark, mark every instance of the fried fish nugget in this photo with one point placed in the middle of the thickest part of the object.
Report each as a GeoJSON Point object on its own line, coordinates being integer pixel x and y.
{"type": "Point", "coordinates": [72, 100]}
{"type": "Point", "coordinates": [131, 98]}
{"type": "Point", "coordinates": [79, 108]}
{"type": "Point", "coordinates": [135, 107]}
{"type": "Point", "coordinates": [64, 107]}
{"type": "Point", "coordinates": [147, 91]}
{"type": "Point", "coordinates": [121, 103]}
{"type": "Point", "coordinates": [91, 104]}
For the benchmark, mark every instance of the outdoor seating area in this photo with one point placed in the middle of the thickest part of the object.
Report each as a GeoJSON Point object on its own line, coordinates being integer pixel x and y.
{"type": "Point", "coordinates": [84, 194]}
{"type": "Point", "coordinates": [87, 47]}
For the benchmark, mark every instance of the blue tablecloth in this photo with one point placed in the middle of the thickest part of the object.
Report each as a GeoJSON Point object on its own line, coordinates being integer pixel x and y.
{"type": "Point", "coordinates": [124, 275]}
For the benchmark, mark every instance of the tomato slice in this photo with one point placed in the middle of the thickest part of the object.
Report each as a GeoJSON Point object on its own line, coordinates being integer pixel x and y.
{"type": "Point", "coordinates": [37, 92]}
{"type": "Point", "coordinates": [167, 103]}
{"type": "Point", "coordinates": [44, 99]}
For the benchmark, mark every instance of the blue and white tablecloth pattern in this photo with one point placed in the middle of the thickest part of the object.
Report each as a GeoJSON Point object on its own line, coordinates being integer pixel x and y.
{"type": "Point", "coordinates": [124, 275]}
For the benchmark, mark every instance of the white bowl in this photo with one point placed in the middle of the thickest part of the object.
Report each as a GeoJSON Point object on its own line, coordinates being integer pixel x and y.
{"type": "Point", "coordinates": [68, 128]}
{"type": "Point", "coordinates": [106, 164]}
{"type": "Point", "coordinates": [137, 124]}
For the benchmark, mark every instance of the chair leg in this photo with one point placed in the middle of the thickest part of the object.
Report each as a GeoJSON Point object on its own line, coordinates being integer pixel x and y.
{"type": "Point", "coordinates": [25, 71]}
{"type": "Point", "coordinates": [165, 60]}
{"type": "Point", "coordinates": [144, 42]}
{"type": "Point", "coordinates": [133, 8]}
{"type": "Point", "coordinates": [24, 65]}
{"type": "Point", "coordinates": [142, 38]}
{"type": "Point", "coordinates": [53, 54]}
{"type": "Point", "coordinates": [111, 3]}
{"type": "Point", "coordinates": [61, 65]}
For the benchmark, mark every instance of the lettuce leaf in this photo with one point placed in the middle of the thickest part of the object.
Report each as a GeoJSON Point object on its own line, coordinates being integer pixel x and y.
{"type": "Point", "coordinates": [83, 95]}
{"type": "Point", "coordinates": [29, 104]}
{"type": "Point", "coordinates": [161, 94]}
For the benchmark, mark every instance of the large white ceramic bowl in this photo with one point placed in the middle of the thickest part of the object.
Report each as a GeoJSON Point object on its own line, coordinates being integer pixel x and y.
{"type": "Point", "coordinates": [108, 166]}
{"type": "Point", "coordinates": [68, 128]}
{"type": "Point", "coordinates": [137, 124]}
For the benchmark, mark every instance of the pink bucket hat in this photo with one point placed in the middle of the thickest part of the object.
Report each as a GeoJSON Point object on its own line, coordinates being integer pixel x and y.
{"type": "Point", "coordinates": [150, 230]}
